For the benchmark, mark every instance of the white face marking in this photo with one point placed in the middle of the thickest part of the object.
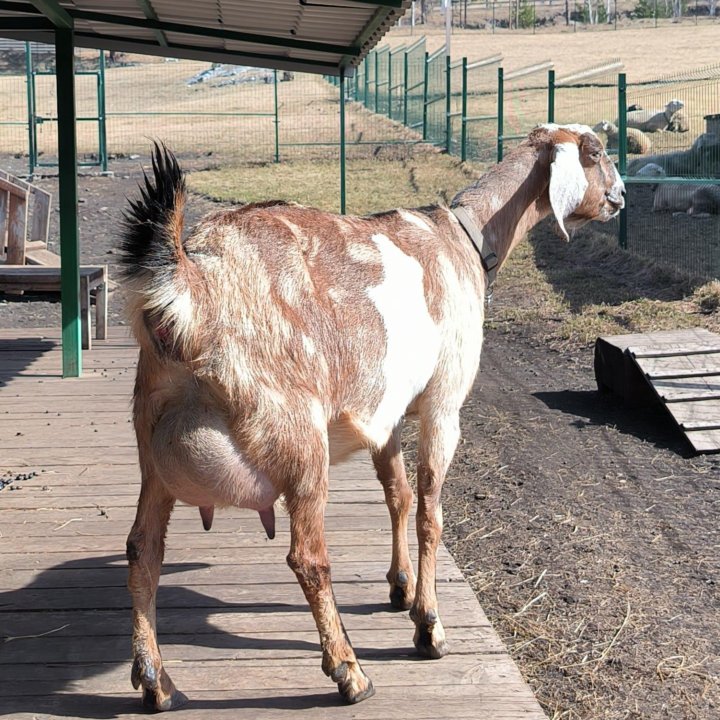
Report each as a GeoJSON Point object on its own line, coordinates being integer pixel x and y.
{"type": "Point", "coordinates": [413, 339]}
{"type": "Point", "coordinates": [567, 182]}
{"type": "Point", "coordinates": [414, 220]}
{"type": "Point", "coordinates": [573, 127]}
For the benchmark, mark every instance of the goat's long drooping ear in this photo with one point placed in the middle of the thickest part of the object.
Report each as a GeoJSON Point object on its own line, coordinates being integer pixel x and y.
{"type": "Point", "coordinates": [567, 182]}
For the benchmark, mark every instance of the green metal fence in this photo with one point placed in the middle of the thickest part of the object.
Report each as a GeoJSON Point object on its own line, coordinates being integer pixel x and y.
{"type": "Point", "coordinates": [479, 121]}
{"type": "Point", "coordinates": [475, 111]}
{"type": "Point", "coordinates": [434, 98]}
{"type": "Point", "coordinates": [673, 190]}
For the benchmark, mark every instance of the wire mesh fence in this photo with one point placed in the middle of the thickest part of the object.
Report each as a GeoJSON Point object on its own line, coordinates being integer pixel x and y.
{"type": "Point", "coordinates": [674, 184]}
{"type": "Point", "coordinates": [665, 133]}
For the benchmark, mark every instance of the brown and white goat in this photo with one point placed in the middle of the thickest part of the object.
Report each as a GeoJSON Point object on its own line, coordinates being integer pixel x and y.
{"type": "Point", "coordinates": [277, 339]}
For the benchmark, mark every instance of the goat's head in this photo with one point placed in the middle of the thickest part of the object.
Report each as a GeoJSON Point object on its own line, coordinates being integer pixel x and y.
{"type": "Point", "coordinates": [584, 183]}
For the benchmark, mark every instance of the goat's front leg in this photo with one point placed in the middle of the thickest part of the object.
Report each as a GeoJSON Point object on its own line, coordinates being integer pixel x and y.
{"type": "Point", "coordinates": [439, 434]}
{"type": "Point", "coordinates": [390, 468]}
{"type": "Point", "coordinates": [145, 550]}
{"type": "Point", "coordinates": [309, 560]}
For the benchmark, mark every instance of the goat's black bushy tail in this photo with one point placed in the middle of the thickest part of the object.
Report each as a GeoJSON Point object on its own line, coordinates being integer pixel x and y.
{"type": "Point", "coordinates": [152, 238]}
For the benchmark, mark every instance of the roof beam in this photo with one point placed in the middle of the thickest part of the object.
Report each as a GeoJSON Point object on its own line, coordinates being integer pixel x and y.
{"type": "Point", "coordinates": [57, 15]}
{"type": "Point", "coordinates": [15, 24]}
{"type": "Point", "coordinates": [220, 33]}
{"type": "Point", "coordinates": [397, 4]}
{"type": "Point", "coordinates": [150, 14]}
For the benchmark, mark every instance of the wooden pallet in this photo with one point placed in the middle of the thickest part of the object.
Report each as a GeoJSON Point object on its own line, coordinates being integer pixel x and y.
{"type": "Point", "coordinates": [678, 368]}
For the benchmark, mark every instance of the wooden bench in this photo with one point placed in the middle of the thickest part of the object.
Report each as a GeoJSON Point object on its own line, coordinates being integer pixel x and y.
{"type": "Point", "coordinates": [41, 278]}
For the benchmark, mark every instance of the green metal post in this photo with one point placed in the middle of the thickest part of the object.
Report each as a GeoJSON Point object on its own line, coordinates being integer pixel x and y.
{"type": "Point", "coordinates": [406, 75]}
{"type": "Point", "coordinates": [426, 80]}
{"type": "Point", "coordinates": [622, 151]}
{"type": "Point", "coordinates": [102, 129]}
{"type": "Point", "coordinates": [448, 103]}
{"type": "Point", "coordinates": [463, 117]}
{"type": "Point", "coordinates": [366, 99]}
{"type": "Point", "coordinates": [500, 120]}
{"type": "Point", "coordinates": [343, 185]}
{"type": "Point", "coordinates": [29, 80]}
{"type": "Point", "coordinates": [67, 172]}
{"type": "Point", "coordinates": [377, 77]}
{"type": "Point", "coordinates": [551, 96]}
{"type": "Point", "coordinates": [276, 119]}
{"type": "Point", "coordinates": [389, 90]}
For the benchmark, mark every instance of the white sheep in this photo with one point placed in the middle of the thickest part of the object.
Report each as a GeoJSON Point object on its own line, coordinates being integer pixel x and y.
{"type": "Point", "coordinates": [637, 142]}
{"type": "Point", "coordinates": [697, 200]}
{"type": "Point", "coordinates": [654, 120]}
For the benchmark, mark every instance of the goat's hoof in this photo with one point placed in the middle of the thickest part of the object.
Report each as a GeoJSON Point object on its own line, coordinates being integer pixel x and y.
{"type": "Point", "coordinates": [159, 692]}
{"type": "Point", "coordinates": [429, 637]}
{"type": "Point", "coordinates": [402, 591]}
{"type": "Point", "coordinates": [353, 684]}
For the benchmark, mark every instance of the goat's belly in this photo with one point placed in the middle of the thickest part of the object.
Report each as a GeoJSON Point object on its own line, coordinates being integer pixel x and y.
{"type": "Point", "coordinates": [200, 463]}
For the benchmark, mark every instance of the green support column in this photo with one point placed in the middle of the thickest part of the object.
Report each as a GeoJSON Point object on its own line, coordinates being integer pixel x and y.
{"type": "Point", "coordinates": [30, 105]}
{"type": "Point", "coordinates": [102, 129]}
{"type": "Point", "coordinates": [69, 235]}
{"type": "Point", "coordinates": [342, 142]}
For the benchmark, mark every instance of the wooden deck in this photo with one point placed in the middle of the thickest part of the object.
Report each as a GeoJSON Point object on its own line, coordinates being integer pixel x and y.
{"type": "Point", "coordinates": [235, 631]}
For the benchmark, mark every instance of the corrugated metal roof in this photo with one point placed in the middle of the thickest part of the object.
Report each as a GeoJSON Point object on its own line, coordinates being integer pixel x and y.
{"type": "Point", "coordinates": [308, 35]}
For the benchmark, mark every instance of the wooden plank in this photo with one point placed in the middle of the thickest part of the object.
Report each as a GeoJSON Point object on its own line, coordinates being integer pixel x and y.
{"type": "Point", "coordinates": [13, 188]}
{"type": "Point", "coordinates": [704, 441]}
{"type": "Point", "coordinates": [16, 230]}
{"type": "Point", "coordinates": [41, 204]}
{"type": "Point", "coordinates": [675, 366]}
{"type": "Point", "coordinates": [704, 413]}
{"type": "Point", "coordinates": [686, 389]}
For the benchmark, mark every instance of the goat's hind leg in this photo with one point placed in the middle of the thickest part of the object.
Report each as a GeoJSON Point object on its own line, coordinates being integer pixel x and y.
{"type": "Point", "coordinates": [305, 498]}
{"type": "Point", "coordinates": [439, 434]}
{"type": "Point", "coordinates": [390, 469]}
{"type": "Point", "coordinates": [145, 550]}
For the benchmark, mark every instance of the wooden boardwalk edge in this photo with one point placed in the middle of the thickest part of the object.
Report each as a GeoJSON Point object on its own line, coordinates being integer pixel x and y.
{"type": "Point", "coordinates": [235, 631]}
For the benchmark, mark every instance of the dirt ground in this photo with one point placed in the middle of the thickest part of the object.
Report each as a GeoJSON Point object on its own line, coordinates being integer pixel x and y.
{"type": "Point", "coordinates": [587, 529]}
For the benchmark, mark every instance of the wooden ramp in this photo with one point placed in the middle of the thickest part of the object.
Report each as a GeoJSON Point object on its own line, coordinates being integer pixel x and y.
{"type": "Point", "coordinates": [235, 631]}
{"type": "Point", "coordinates": [680, 368]}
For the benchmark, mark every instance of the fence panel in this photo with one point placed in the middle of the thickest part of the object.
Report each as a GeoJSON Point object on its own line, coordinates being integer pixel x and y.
{"type": "Point", "coordinates": [525, 103]}
{"type": "Point", "coordinates": [673, 194]}
{"type": "Point", "coordinates": [414, 71]}
{"type": "Point", "coordinates": [396, 79]}
{"type": "Point", "coordinates": [435, 91]}
{"type": "Point", "coordinates": [479, 123]}
{"type": "Point", "coordinates": [589, 97]}
{"type": "Point", "coordinates": [382, 82]}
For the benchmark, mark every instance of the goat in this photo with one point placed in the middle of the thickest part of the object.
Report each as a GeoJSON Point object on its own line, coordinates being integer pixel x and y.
{"type": "Point", "coordinates": [276, 339]}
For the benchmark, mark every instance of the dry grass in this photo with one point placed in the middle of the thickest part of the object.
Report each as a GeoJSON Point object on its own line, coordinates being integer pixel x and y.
{"type": "Point", "coordinates": [646, 52]}
{"type": "Point", "coordinates": [373, 184]}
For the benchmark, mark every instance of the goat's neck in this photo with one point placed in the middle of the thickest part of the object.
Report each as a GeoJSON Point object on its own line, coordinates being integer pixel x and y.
{"type": "Point", "coordinates": [510, 199]}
